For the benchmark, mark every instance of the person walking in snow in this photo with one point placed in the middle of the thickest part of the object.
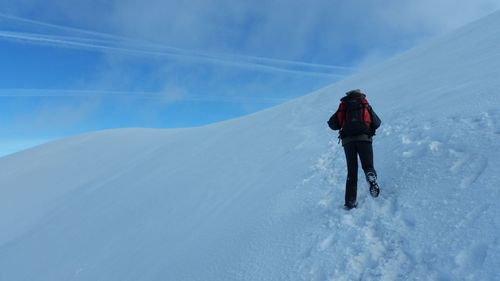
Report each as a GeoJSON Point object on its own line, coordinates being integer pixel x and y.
{"type": "Point", "coordinates": [357, 123]}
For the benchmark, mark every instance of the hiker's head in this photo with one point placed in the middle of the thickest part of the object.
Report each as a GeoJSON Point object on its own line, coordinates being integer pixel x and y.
{"type": "Point", "coordinates": [354, 92]}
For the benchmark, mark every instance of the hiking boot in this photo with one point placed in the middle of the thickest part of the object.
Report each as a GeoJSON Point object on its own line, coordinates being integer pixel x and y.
{"type": "Point", "coordinates": [371, 177]}
{"type": "Point", "coordinates": [374, 190]}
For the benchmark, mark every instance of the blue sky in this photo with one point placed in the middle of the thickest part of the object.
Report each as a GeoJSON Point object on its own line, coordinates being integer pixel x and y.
{"type": "Point", "coordinates": [74, 66]}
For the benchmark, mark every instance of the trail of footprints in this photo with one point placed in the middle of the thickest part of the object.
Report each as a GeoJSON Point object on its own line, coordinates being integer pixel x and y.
{"type": "Point", "coordinates": [364, 243]}
{"type": "Point", "coordinates": [368, 243]}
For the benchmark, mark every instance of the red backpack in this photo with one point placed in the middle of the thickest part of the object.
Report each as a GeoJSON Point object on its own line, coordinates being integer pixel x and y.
{"type": "Point", "coordinates": [354, 116]}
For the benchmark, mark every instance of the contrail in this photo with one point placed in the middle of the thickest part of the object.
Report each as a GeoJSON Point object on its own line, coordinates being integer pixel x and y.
{"type": "Point", "coordinates": [45, 93]}
{"type": "Point", "coordinates": [108, 42]}
{"type": "Point", "coordinates": [84, 43]}
{"type": "Point", "coordinates": [65, 28]}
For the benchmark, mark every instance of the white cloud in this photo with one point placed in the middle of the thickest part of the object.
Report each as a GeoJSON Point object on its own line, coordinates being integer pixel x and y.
{"type": "Point", "coordinates": [434, 17]}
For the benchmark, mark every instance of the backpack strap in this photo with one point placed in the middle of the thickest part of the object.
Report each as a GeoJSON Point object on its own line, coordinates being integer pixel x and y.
{"type": "Point", "coordinates": [367, 119]}
{"type": "Point", "coordinates": [341, 114]}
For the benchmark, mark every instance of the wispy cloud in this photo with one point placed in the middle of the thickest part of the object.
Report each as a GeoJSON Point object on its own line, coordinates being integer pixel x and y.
{"type": "Point", "coordinates": [112, 43]}
{"type": "Point", "coordinates": [330, 32]}
{"type": "Point", "coordinates": [322, 31]}
{"type": "Point", "coordinates": [50, 118]}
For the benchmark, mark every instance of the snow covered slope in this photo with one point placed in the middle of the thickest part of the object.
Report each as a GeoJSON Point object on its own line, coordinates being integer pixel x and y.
{"type": "Point", "coordinates": [260, 197]}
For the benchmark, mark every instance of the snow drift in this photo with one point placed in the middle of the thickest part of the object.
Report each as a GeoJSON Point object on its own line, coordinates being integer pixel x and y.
{"type": "Point", "coordinates": [260, 197]}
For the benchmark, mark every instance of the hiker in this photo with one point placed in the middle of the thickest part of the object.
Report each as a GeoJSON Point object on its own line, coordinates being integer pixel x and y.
{"type": "Point", "coordinates": [357, 123]}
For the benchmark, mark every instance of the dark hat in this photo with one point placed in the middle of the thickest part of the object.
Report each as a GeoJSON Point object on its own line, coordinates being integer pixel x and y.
{"type": "Point", "coordinates": [353, 94]}
{"type": "Point", "coordinates": [355, 91]}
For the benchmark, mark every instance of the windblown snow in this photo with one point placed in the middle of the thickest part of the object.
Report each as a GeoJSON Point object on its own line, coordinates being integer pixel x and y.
{"type": "Point", "coordinates": [260, 197]}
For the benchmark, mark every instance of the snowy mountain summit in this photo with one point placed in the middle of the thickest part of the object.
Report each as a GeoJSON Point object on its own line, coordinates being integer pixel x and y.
{"type": "Point", "coordinates": [260, 197]}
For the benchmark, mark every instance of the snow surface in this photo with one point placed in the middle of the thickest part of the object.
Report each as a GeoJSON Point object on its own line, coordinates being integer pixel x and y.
{"type": "Point", "coordinates": [260, 197]}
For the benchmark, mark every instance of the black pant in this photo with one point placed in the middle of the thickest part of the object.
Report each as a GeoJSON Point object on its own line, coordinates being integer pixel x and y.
{"type": "Point", "coordinates": [352, 150]}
